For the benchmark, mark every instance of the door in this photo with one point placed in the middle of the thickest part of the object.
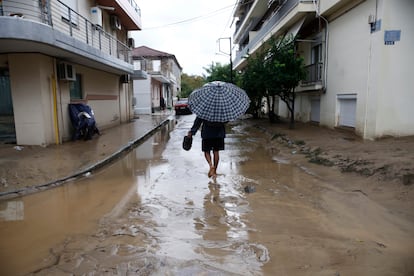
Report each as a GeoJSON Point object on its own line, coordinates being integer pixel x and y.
{"type": "Point", "coordinates": [347, 111]}
{"type": "Point", "coordinates": [7, 129]}
{"type": "Point", "coordinates": [315, 110]}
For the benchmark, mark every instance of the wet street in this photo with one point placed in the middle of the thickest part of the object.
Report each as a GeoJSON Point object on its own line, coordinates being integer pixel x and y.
{"type": "Point", "coordinates": [156, 212]}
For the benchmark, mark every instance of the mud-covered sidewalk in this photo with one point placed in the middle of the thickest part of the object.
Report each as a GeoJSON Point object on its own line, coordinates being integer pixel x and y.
{"type": "Point", "coordinates": [389, 159]}
{"type": "Point", "coordinates": [26, 169]}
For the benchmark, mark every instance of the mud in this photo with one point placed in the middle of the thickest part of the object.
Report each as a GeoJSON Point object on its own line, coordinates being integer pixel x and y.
{"type": "Point", "coordinates": [155, 212]}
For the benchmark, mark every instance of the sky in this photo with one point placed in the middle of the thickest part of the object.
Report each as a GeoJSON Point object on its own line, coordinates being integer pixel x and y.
{"type": "Point", "coordinates": [197, 32]}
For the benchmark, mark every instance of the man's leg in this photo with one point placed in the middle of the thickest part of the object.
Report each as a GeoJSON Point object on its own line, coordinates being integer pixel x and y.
{"type": "Point", "coordinates": [216, 157]}
{"type": "Point", "coordinates": [207, 155]}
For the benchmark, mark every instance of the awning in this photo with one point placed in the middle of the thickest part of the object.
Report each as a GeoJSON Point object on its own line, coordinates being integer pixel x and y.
{"type": "Point", "coordinates": [160, 78]}
{"type": "Point", "coordinates": [295, 28]}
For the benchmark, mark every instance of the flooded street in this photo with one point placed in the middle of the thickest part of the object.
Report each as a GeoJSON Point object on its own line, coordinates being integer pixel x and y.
{"type": "Point", "coordinates": [155, 212]}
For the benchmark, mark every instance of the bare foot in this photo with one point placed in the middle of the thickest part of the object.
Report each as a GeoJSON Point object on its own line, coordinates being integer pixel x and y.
{"type": "Point", "coordinates": [211, 172]}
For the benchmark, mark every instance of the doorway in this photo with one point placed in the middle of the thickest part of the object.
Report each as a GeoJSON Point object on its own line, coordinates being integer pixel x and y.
{"type": "Point", "coordinates": [7, 127]}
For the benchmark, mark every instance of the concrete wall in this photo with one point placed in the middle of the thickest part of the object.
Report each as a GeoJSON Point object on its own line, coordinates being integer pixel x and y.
{"type": "Point", "coordinates": [391, 71]}
{"type": "Point", "coordinates": [360, 63]}
{"type": "Point", "coordinates": [349, 46]}
{"type": "Point", "coordinates": [142, 94]}
{"type": "Point", "coordinates": [30, 82]}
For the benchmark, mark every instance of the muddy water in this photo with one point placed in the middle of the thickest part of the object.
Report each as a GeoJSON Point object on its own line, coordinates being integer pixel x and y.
{"type": "Point", "coordinates": [155, 212]}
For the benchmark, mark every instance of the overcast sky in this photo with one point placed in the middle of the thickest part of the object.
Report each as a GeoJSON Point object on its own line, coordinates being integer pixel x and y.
{"type": "Point", "coordinates": [188, 29]}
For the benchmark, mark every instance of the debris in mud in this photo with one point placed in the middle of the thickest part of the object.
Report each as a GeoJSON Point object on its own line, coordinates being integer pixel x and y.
{"type": "Point", "coordinates": [249, 189]}
{"type": "Point", "coordinates": [352, 163]}
{"type": "Point", "coordinates": [408, 179]}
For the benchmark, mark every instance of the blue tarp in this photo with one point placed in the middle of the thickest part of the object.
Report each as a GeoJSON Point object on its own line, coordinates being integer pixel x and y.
{"type": "Point", "coordinates": [83, 121]}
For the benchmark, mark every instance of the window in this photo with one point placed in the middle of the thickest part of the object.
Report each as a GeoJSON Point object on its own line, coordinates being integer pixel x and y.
{"type": "Point", "coordinates": [316, 60]}
{"type": "Point", "coordinates": [75, 88]}
{"type": "Point", "coordinates": [156, 65]}
{"type": "Point", "coordinates": [137, 64]}
{"type": "Point", "coordinates": [68, 10]}
{"type": "Point", "coordinates": [316, 54]}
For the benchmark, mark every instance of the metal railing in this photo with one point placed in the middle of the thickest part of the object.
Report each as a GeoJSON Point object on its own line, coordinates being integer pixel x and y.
{"type": "Point", "coordinates": [314, 73]}
{"type": "Point", "coordinates": [64, 19]}
{"type": "Point", "coordinates": [281, 12]}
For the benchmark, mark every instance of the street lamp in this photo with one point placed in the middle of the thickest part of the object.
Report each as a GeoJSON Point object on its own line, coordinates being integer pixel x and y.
{"type": "Point", "coordinates": [228, 54]}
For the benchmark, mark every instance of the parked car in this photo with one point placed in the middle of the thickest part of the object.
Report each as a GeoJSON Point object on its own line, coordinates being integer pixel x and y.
{"type": "Point", "coordinates": [181, 107]}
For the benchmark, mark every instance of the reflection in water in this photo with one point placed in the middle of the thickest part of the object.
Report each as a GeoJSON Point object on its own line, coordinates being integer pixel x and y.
{"type": "Point", "coordinates": [156, 202]}
{"type": "Point", "coordinates": [13, 211]}
{"type": "Point", "coordinates": [34, 224]}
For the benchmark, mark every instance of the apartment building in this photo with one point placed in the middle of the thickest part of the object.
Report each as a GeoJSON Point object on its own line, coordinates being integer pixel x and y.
{"type": "Point", "coordinates": [156, 79]}
{"type": "Point", "coordinates": [357, 54]}
{"type": "Point", "coordinates": [57, 52]}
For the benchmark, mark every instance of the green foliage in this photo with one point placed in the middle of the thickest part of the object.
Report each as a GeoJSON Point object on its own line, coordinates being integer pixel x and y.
{"type": "Point", "coordinates": [218, 72]}
{"type": "Point", "coordinates": [253, 82]}
{"type": "Point", "coordinates": [274, 72]}
{"type": "Point", "coordinates": [190, 83]}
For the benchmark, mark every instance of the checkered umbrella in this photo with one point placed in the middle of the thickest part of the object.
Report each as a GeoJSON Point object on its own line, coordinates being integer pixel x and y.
{"type": "Point", "coordinates": [219, 102]}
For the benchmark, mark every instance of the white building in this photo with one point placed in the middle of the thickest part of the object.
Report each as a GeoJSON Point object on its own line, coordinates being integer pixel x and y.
{"type": "Point", "coordinates": [357, 54]}
{"type": "Point", "coordinates": [157, 78]}
{"type": "Point", "coordinates": [57, 52]}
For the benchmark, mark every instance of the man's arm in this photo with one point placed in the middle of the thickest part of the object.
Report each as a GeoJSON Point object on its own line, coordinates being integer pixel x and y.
{"type": "Point", "coordinates": [195, 127]}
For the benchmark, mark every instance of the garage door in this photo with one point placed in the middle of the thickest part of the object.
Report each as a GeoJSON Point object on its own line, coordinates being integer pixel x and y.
{"type": "Point", "coordinates": [347, 110]}
{"type": "Point", "coordinates": [315, 110]}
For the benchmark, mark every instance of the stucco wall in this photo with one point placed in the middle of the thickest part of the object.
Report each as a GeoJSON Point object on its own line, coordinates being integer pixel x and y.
{"type": "Point", "coordinates": [393, 81]}
{"type": "Point", "coordinates": [348, 53]}
{"type": "Point", "coordinates": [30, 82]}
{"type": "Point", "coordinates": [360, 63]}
{"type": "Point", "coordinates": [142, 94]}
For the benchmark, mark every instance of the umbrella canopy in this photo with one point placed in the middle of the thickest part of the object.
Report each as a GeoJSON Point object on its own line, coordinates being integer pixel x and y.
{"type": "Point", "coordinates": [219, 102]}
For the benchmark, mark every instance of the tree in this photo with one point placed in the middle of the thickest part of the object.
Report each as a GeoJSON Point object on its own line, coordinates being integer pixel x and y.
{"type": "Point", "coordinates": [189, 84]}
{"type": "Point", "coordinates": [284, 71]}
{"type": "Point", "coordinates": [252, 81]}
{"type": "Point", "coordinates": [218, 72]}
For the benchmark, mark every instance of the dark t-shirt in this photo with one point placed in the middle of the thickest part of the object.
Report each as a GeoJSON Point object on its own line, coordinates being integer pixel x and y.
{"type": "Point", "coordinates": [209, 130]}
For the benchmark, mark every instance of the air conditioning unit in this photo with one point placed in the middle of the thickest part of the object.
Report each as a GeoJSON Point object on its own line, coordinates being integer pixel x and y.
{"type": "Point", "coordinates": [115, 22]}
{"type": "Point", "coordinates": [66, 72]}
{"type": "Point", "coordinates": [131, 42]}
{"type": "Point", "coordinates": [96, 16]}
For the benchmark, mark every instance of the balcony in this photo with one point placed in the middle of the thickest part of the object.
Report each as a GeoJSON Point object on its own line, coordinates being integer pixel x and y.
{"type": "Point", "coordinates": [314, 73]}
{"type": "Point", "coordinates": [127, 10]}
{"type": "Point", "coordinates": [286, 13]}
{"type": "Point", "coordinates": [314, 78]}
{"type": "Point", "coordinates": [53, 28]}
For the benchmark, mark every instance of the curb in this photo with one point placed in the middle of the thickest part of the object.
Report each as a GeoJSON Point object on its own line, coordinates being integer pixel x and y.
{"type": "Point", "coordinates": [98, 165]}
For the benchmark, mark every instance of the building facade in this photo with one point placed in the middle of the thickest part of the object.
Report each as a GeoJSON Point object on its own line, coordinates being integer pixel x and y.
{"type": "Point", "coordinates": [156, 80]}
{"type": "Point", "coordinates": [357, 55]}
{"type": "Point", "coordinates": [57, 52]}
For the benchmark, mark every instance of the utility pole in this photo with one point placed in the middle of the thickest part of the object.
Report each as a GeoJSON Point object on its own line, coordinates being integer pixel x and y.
{"type": "Point", "coordinates": [229, 54]}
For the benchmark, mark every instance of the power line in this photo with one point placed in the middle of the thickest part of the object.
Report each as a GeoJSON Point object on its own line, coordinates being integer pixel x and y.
{"type": "Point", "coordinates": [200, 17]}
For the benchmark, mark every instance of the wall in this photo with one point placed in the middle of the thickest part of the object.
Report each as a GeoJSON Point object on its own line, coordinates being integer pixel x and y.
{"type": "Point", "coordinates": [359, 62]}
{"type": "Point", "coordinates": [348, 51]}
{"type": "Point", "coordinates": [391, 74]}
{"type": "Point", "coordinates": [30, 84]}
{"type": "Point", "coordinates": [142, 94]}
{"type": "Point", "coordinates": [101, 89]}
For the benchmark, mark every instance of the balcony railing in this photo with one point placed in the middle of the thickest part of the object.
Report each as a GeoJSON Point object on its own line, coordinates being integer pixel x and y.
{"type": "Point", "coordinates": [279, 14]}
{"type": "Point", "coordinates": [314, 73]}
{"type": "Point", "coordinates": [64, 19]}
{"type": "Point", "coordinates": [267, 26]}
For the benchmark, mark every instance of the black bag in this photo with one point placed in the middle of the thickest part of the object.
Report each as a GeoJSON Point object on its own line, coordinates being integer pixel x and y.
{"type": "Point", "coordinates": [187, 142]}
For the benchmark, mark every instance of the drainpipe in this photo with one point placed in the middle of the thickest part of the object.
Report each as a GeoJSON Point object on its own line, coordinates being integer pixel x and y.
{"type": "Point", "coordinates": [325, 71]}
{"type": "Point", "coordinates": [55, 113]}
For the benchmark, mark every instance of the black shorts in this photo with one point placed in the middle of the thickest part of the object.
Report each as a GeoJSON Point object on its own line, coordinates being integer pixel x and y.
{"type": "Point", "coordinates": [212, 144]}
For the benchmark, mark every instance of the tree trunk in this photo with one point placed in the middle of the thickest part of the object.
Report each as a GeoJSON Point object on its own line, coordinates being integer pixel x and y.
{"type": "Point", "coordinates": [292, 111]}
